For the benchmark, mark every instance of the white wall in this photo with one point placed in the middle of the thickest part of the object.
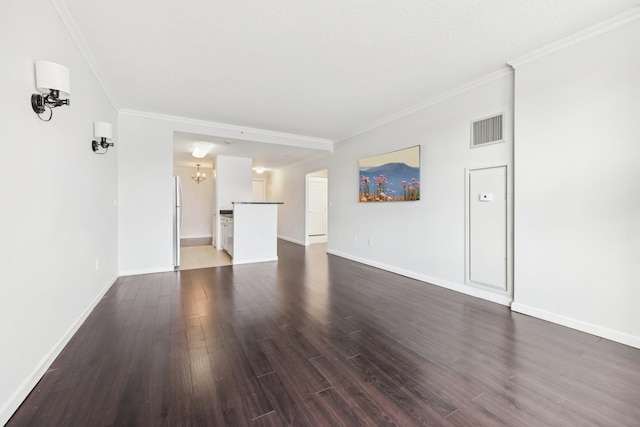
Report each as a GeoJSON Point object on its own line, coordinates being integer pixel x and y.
{"type": "Point", "coordinates": [255, 233]}
{"type": "Point", "coordinates": [197, 202]}
{"type": "Point", "coordinates": [145, 198]}
{"type": "Point", "coordinates": [233, 184]}
{"type": "Point", "coordinates": [577, 179]}
{"type": "Point", "coordinates": [289, 186]}
{"type": "Point", "coordinates": [58, 215]}
{"type": "Point", "coordinates": [145, 170]}
{"type": "Point", "coordinates": [423, 239]}
{"type": "Point", "coordinates": [233, 181]}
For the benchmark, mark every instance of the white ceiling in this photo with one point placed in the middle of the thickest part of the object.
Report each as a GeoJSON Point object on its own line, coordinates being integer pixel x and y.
{"type": "Point", "coordinates": [319, 68]}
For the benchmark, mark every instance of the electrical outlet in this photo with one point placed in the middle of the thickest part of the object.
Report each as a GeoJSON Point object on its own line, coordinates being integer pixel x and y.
{"type": "Point", "coordinates": [355, 239]}
{"type": "Point", "coordinates": [370, 241]}
{"type": "Point", "coordinates": [97, 264]}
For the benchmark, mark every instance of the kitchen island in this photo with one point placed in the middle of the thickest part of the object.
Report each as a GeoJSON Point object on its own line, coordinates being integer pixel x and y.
{"type": "Point", "coordinates": [255, 232]}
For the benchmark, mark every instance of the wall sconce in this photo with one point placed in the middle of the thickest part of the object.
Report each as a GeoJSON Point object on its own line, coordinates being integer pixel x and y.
{"type": "Point", "coordinates": [102, 132]}
{"type": "Point", "coordinates": [53, 80]}
{"type": "Point", "coordinates": [198, 177]}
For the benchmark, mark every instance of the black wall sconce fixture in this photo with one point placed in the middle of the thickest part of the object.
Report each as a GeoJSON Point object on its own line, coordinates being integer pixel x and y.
{"type": "Point", "coordinates": [53, 81]}
{"type": "Point", "coordinates": [101, 131]}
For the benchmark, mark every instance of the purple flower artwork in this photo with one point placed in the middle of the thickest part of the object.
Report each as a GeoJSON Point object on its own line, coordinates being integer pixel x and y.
{"type": "Point", "coordinates": [390, 177]}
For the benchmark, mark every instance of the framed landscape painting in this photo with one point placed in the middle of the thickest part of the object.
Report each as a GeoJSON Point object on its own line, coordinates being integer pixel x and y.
{"type": "Point", "coordinates": [390, 177]}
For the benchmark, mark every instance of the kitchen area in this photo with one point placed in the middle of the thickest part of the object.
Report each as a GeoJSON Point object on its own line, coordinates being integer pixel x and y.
{"type": "Point", "coordinates": [246, 229]}
{"type": "Point", "coordinates": [241, 227]}
{"type": "Point", "coordinates": [249, 232]}
{"type": "Point", "coordinates": [226, 231]}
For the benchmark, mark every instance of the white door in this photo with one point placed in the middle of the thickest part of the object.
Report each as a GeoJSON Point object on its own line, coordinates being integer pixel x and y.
{"type": "Point", "coordinates": [487, 227]}
{"type": "Point", "coordinates": [258, 190]}
{"type": "Point", "coordinates": [270, 191]}
{"type": "Point", "coordinates": [317, 204]}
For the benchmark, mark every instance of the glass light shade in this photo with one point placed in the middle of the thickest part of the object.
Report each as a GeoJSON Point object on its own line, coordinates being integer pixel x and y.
{"type": "Point", "coordinates": [201, 150]}
{"type": "Point", "coordinates": [50, 75]}
{"type": "Point", "coordinates": [102, 130]}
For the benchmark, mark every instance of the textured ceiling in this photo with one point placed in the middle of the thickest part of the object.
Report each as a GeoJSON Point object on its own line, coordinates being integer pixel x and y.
{"type": "Point", "coordinates": [322, 68]}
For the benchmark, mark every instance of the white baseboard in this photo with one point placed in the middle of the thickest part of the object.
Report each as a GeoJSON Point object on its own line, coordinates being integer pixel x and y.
{"type": "Point", "coordinates": [137, 271]}
{"type": "Point", "coordinates": [197, 236]}
{"type": "Point", "coordinates": [288, 239]}
{"type": "Point", "coordinates": [253, 260]}
{"type": "Point", "coordinates": [498, 298]}
{"type": "Point", "coordinates": [590, 328]}
{"type": "Point", "coordinates": [21, 393]}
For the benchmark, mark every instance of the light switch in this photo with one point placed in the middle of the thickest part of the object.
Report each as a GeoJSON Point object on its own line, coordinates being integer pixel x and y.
{"type": "Point", "coordinates": [485, 197]}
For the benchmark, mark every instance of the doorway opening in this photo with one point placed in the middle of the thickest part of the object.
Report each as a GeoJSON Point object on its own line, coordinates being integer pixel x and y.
{"type": "Point", "coordinates": [258, 190]}
{"type": "Point", "coordinates": [194, 240]}
{"type": "Point", "coordinates": [317, 207]}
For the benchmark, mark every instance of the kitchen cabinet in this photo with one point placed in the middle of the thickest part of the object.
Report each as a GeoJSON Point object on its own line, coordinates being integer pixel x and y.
{"type": "Point", "coordinates": [226, 234]}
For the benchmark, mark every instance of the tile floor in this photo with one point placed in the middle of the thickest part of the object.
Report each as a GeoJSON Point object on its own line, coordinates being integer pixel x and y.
{"type": "Point", "coordinates": [193, 257]}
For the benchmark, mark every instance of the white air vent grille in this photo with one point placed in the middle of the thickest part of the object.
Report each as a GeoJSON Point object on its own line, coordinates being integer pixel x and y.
{"type": "Point", "coordinates": [486, 131]}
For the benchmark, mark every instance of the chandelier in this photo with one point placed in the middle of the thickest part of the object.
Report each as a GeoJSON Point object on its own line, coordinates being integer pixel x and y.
{"type": "Point", "coordinates": [198, 176]}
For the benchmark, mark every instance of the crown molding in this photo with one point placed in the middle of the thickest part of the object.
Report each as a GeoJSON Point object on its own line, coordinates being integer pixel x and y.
{"type": "Point", "coordinates": [506, 71]}
{"type": "Point", "coordinates": [600, 28]}
{"type": "Point", "coordinates": [239, 132]}
{"type": "Point", "coordinates": [305, 161]}
{"type": "Point", "coordinates": [69, 23]}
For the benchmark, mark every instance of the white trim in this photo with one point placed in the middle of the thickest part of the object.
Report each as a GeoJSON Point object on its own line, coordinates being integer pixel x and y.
{"type": "Point", "coordinates": [240, 132]}
{"type": "Point", "coordinates": [307, 160]}
{"type": "Point", "coordinates": [467, 230]}
{"type": "Point", "coordinates": [198, 236]}
{"type": "Point", "coordinates": [496, 297]}
{"type": "Point", "coordinates": [288, 239]}
{"type": "Point", "coordinates": [253, 260]}
{"type": "Point", "coordinates": [137, 271]}
{"type": "Point", "coordinates": [590, 328]}
{"type": "Point", "coordinates": [435, 100]}
{"type": "Point", "coordinates": [21, 393]}
{"type": "Point", "coordinates": [600, 28]}
{"type": "Point", "coordinates": [69, 23]}
{"type": "Point", "coordinates": [308, 178]}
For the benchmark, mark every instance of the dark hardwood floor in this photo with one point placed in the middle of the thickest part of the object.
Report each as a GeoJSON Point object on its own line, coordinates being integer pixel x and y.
{"type": "Point", "coordinates": [316, 340]}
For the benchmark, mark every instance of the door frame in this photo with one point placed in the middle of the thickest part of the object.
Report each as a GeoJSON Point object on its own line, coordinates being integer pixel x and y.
{"type": "Point", "coordinates": [509, 232]}
{"type": "Point", "coordinates": [264, 187]}
{"type": "Point", "coordinates": [306, 201]}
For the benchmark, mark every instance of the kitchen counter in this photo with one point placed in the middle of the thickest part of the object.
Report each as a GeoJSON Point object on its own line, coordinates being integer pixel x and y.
{"type": "Point", "coordinates": [255, 232]}
{"type": "Point", "coordinates": [258, 203]}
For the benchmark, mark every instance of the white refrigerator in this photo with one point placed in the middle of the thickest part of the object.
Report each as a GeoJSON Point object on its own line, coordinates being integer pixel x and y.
{"type": "Point", "coordinates": [177, 220]}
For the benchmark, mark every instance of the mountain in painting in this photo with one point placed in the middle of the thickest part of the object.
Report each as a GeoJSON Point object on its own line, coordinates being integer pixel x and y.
{"type": "Point", "coordinates": [395, 174]}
